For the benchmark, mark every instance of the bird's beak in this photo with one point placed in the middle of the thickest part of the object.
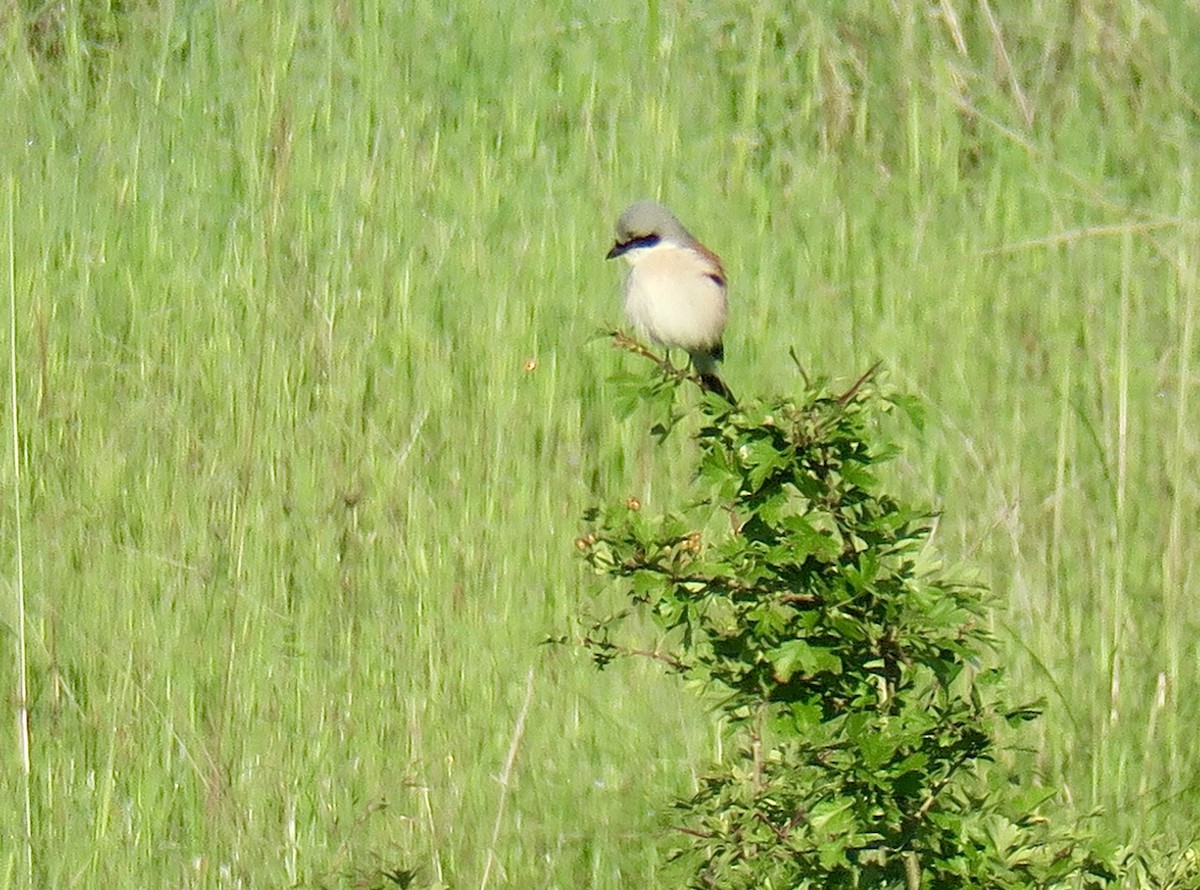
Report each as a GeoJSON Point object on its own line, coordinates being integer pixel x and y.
{"type": "Point", "coordinates": [617, 250]}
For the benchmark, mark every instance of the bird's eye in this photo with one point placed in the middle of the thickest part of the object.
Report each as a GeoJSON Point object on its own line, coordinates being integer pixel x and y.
{"type": "Point", "coordinates": [642, 241]}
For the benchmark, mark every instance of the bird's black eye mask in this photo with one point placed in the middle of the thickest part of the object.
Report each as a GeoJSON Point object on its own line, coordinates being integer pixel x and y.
{"type": "Point", "coordinates": [634, 244]}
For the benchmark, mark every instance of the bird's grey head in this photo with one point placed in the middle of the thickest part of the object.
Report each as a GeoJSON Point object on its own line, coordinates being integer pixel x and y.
{"type": "Point", "coordinates": [644, 224]}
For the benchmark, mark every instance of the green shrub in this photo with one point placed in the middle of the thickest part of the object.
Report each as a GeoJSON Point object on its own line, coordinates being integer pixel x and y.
{"type": "Point", "coordinates": [853, 678]}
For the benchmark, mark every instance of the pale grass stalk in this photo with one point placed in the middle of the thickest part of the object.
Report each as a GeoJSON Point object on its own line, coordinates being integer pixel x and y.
{"type": "Point", "coordinates": [1070, 236]}
{"type": "Point", "coordinates": [1111, 619]}
{"type": "Point", "coordinates": [1149, 747]}
{"type": "Point", "coordinates": [950, 17]}
{"type": "Point", "coordinates": [291, 854]}
{"type": "Point", "coordinates": [1180, 462]}
{"type": "Point", "coordinates": [1006, 64]}
{"type": "Point", "coordinates": [505, 775]}
{"type": "Point", "coordinates": [748, 125]}
{"type": "Point", "coordinates": [414, 431]}
{"type": "Point", "coordinates": [22, 691]}
{"type": "Point", "coordinates": [1061, 456]}
{"type": "Point", "coordinates": [954, 26]}
{"type": "Point", "coordinates": [437, 857]}
{"type": "Point", "coordinates": [653, 28]}
{"type": "Point", "coordinates": [426, 803]}
{"type": "Point", "coordinates": [1121, 526]}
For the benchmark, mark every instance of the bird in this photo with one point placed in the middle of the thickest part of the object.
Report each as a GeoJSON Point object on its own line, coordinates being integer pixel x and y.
{"type": "Point", "coordinates": [675, 290]}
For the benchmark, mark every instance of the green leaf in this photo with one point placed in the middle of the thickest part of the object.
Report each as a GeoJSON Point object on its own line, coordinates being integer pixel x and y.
{"type": "Point", "coordinates": [759, 458]}
{"type": "Point", "coordinates": [858, 475]}
{"type": "Point", "coordinates": [833, 816]}
{"type": "Point", "coordinates": [913, 408]}
{"type": "Point", "coordinates": [877, 747]}
{"type": "Point", "coordinates": [805, 540]}
{"type": "Point", "coordinates": [806, 716]}
{"type": "Point", "coordinates": [797, 655]}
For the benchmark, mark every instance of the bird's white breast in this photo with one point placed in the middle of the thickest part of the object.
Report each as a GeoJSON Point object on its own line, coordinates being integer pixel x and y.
{"type": "Point", "coordinates": [673, 298]}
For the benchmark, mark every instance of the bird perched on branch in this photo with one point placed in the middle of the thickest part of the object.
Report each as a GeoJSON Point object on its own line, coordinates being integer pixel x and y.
{"type": "Point", "coordinates": [675, 291]}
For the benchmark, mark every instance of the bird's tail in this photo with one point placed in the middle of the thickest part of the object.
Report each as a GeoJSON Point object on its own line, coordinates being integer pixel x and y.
{"type": "Point", "coordinates": [713, 383]}
{"type": "Point", "coordinates": [710, 381]}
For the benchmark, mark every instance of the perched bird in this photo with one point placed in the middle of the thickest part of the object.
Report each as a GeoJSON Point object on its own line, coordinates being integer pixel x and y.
{"type": "Point", "coordinates": [675, 291]}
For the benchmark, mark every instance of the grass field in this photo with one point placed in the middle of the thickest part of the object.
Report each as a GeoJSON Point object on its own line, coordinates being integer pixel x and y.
{"type": "Point", "coordinates": [307, 402]}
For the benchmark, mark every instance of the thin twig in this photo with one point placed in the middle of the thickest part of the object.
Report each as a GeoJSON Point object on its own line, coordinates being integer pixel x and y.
{"type": "Point", "coordinates": [654, 654]}
{"type": "Point", "coordinates": [802, 599]}
{"type": "Point", "coordinates": [694, 832]}
{"type": "Point", "coordinates": [621, 340]}
{"type": "Point", "coordinates": [726, 585]}
{"type": "Point", "coordinates": [800, 367]}
{"type": "Point", "coordinates": [925, 807]}
{"type": "Point", "coordinates": [853, 390]}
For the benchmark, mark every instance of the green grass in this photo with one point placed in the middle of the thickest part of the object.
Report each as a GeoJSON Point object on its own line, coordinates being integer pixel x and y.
{"type": "Point", "coordinates": [295, 514]}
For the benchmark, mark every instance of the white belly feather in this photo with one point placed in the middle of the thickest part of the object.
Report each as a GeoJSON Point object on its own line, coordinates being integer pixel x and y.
{"type": "Point", "coordinates": [671, 298]}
